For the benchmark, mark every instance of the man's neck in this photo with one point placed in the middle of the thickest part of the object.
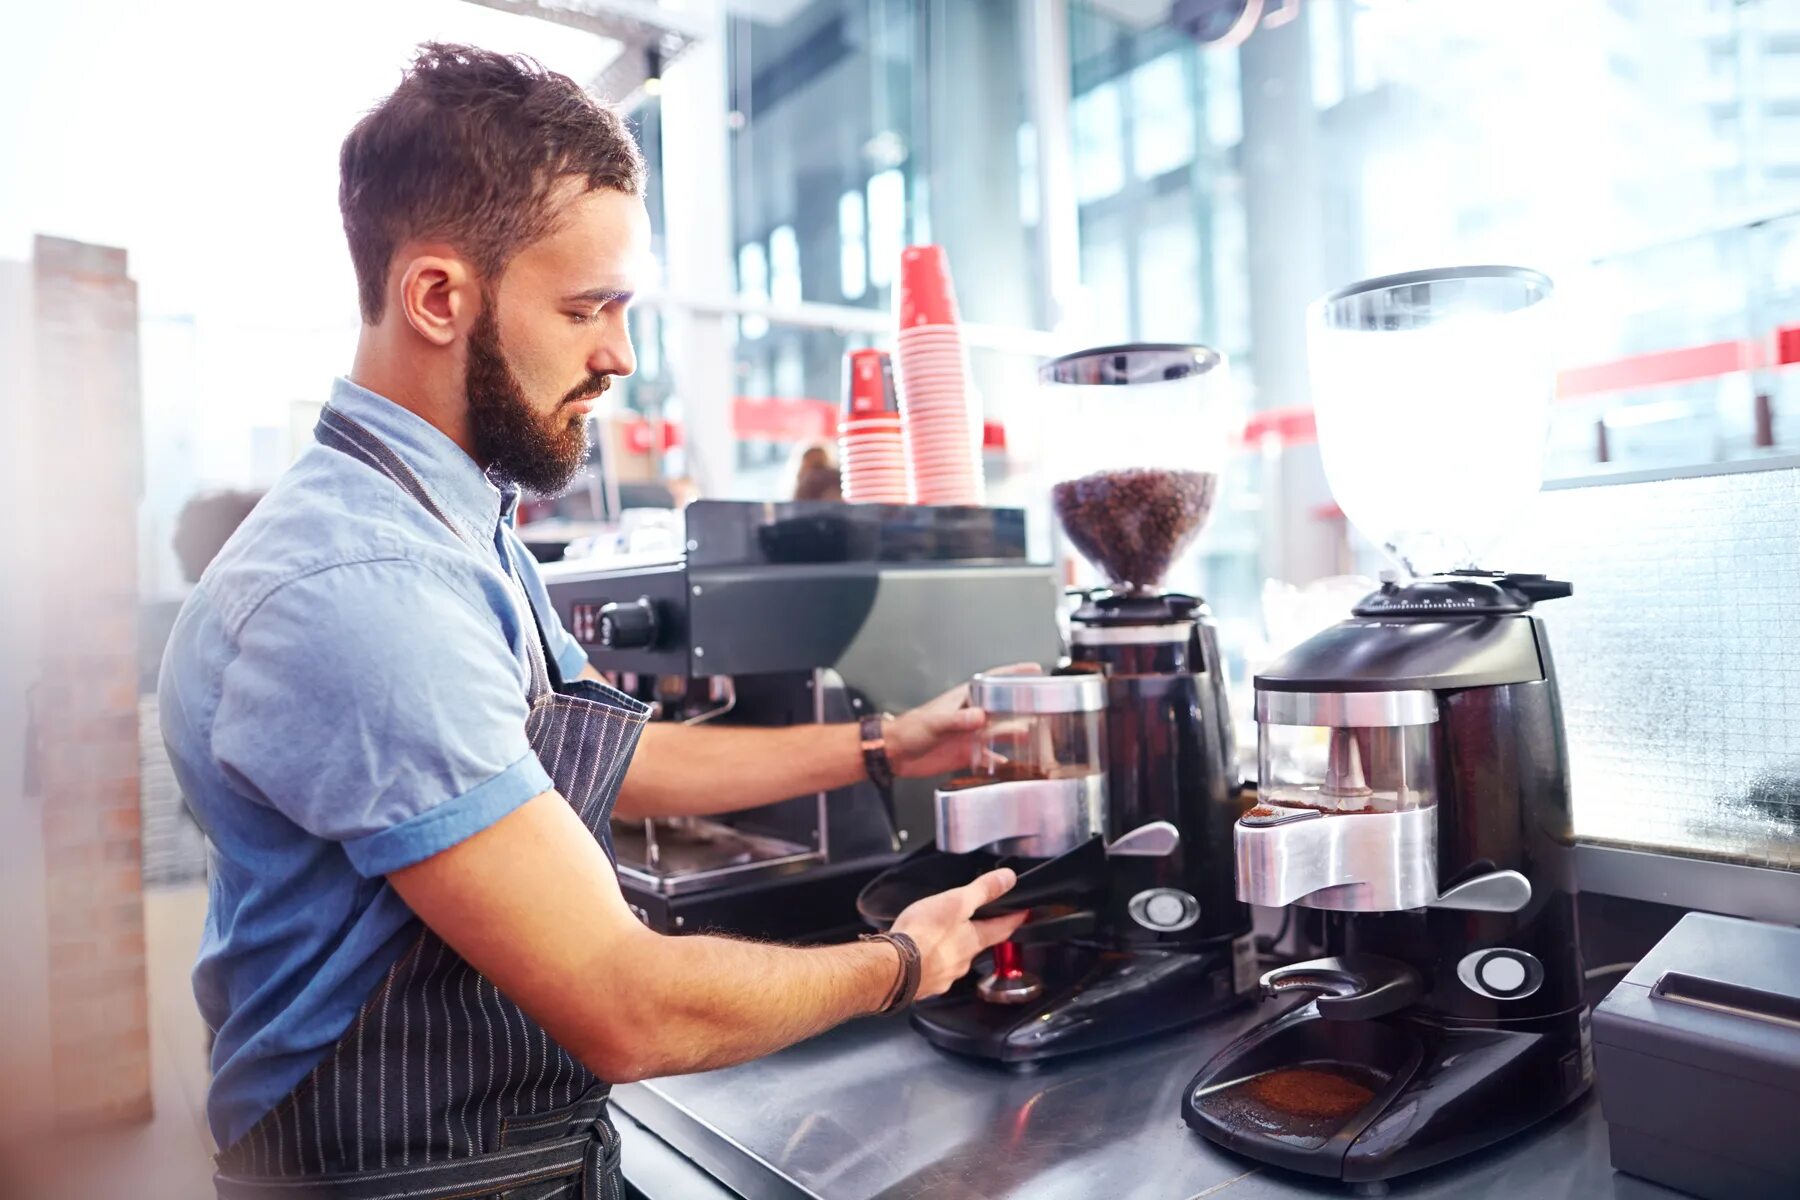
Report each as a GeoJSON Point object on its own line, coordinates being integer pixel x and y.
{"type": "Point", "coordinates": [418, 387]}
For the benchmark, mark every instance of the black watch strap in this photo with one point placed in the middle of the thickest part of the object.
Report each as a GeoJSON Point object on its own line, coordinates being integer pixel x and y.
{"type": "Point", "coordinates": [874, 752]}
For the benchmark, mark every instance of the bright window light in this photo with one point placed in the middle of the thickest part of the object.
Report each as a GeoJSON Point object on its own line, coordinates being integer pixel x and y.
{"type": "Point", "coordinates": [1224, 104]}
{"type": "Point", "coordinates": [1162, 116]}
{"type": "Point", "coordinates": [853, 246]}
{"type": "Point", "coordinates": [753, 284]}
{"type": "Point", "coordinates": [887, 225]}
{"type": "Point", "coordinates": [784, 266]}
{"type": "Point", "coordinates": [1025, 142]}
{"type": "Point", "coordinates": [1099, 142]}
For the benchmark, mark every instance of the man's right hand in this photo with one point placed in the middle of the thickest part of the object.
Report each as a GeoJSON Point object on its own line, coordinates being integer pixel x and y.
{"type": "Point", "coordinates": [947, 937]}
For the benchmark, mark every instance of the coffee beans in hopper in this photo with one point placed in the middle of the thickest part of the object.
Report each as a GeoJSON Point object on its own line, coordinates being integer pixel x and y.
{"type": "Point", "coordinates": [1132, 524]}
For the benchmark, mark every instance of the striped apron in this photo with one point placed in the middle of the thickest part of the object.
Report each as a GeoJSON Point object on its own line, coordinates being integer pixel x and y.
{"type": "Point", "coordinates": [442, 1088]}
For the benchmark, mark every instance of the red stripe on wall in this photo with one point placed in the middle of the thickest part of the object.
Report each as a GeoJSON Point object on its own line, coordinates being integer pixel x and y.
{"type": "Point", "coordinates": [1660, 367]}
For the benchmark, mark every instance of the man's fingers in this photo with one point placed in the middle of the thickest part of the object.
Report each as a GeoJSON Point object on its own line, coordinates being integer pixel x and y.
{"type": "Point", "coordinates": [992, 760]}
{"type": "Point", "coordinates": [961, 720]}
{"type": "Point", "coordinates": [987, 888]}
{"type": "Point", "coordinates": [956, 697]}
{"type": "Point", "coordinates": [1006, 729]}
{"type": "Point", "coordinates": [995, 930]}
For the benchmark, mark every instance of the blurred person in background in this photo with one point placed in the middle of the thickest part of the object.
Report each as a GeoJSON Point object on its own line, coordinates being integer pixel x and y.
{"type": "Point", "coordinates": [205, 523]}
{"type": "Point", "coordinates": [810, 457]}
{"type": "Point", "coordinates": [819, 483]}
{"type": "Point", "coordinates": [417, 960]}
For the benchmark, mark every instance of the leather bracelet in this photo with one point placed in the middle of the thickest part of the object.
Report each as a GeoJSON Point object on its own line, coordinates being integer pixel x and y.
{"type": "Point", "coordinates": [906, 987]}
{"type": "Point", "coordinates": [887, 997]}
{"type": "Point", "coordinates": [887, 1000]}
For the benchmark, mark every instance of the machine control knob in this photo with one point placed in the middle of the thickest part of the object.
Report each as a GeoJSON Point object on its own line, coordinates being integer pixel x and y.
{"type": "Point", "coordinates": [1501, 974]}
{"type": "Point", "coordinates": [631, 626]}
{"type": "Point", "coordinates": [1164, 910]}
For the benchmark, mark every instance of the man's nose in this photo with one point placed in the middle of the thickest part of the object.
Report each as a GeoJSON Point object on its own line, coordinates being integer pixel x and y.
{"type": "Point", "coordinates": [613, 355]}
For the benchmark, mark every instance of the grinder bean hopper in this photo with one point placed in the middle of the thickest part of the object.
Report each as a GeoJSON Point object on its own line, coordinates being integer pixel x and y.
{"type": "Point", "coordinates": [1111, 784]}
{"type": "Point", "coordinates": [1413, 775]}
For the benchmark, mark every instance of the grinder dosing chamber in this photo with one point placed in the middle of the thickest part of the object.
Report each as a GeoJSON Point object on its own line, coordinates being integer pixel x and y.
{"type": "Point", "coordinates": [1036, 787]}
{"type": "Point", "coordinates": [1347, 817]}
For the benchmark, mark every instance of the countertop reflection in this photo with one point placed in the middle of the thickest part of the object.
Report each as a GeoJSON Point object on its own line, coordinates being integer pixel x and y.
{"type": "Point", "coordinates": [871, 1110]}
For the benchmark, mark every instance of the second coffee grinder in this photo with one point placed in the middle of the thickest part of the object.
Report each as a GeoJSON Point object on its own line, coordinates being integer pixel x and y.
{"type": "Point", "coordinates": [1111, 785]}
{"type": "Point", "coordinates": [1414, 782]}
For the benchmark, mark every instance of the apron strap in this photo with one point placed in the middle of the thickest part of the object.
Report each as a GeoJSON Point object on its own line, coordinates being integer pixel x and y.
{"type": "Point", "coordinates": [552, 669]}
{"type": "Point", "coordinates": [349, 436]}
{"type": "Point", "coordinates": [353, 438]}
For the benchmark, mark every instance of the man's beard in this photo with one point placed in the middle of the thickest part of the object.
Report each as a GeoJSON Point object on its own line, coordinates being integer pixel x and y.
{"type": "Point", "coordinates": [538, 453]}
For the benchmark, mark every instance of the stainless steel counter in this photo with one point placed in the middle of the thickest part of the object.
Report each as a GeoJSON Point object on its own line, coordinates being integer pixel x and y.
{"type": "Point", "coordinates": [871, 1110]}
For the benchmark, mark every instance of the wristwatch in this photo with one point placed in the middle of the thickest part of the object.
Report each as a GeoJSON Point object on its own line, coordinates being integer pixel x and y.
{"type": "Point", "coordinates": [874, 751]}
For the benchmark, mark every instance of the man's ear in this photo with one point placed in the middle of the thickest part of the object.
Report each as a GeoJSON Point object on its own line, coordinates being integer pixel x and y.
{"type": "Point", "coordinates": [438, 296]}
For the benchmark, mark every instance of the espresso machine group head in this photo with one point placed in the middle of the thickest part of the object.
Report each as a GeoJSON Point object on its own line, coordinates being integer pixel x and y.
{"type": "Point", "coordinates": [1111, 785]}
{"type": "Point", "coordinates": [1413, 779]}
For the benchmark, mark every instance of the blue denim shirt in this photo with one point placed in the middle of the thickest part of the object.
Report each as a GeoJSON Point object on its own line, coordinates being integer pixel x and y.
{"type": "Point", "coordinates": [343, 695]}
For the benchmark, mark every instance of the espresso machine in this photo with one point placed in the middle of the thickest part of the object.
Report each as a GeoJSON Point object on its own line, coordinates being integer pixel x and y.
{"type": "Point", "coordinates": [795, 614]}
{"type": "Point", "coordinates": [1110, 785]}
{"type": "Point", "coordinates": [1413, 777]}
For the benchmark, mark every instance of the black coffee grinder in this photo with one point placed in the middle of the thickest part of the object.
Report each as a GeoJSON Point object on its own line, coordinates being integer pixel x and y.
{"type": "Point", "coordinates": [1413, 775]}
{"type": "Point", "coordinates": [1111, 784]}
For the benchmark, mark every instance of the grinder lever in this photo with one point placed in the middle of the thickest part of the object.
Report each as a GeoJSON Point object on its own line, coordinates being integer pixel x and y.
{"type": "Point", "coordinates": [1353, 987]}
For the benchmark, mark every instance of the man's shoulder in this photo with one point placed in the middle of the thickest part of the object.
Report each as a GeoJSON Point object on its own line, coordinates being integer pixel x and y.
{"type": "Point", "coordinates": [331, 525]}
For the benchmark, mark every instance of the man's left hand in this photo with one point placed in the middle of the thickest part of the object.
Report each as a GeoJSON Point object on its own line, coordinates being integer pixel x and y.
{"type": "Point", "coordinates": [940, 735]}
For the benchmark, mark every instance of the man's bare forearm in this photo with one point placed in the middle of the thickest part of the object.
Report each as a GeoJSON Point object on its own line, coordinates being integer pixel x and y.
{"type": "Point", "coordinates": [532, 903]}
{"type": "Point", "coordinates": [705, 1002]}
{"type": "Point", "coordinates": [683, 770]}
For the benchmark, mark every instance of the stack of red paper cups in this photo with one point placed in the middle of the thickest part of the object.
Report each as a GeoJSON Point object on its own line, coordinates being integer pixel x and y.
{"type": "Point", "coordinates": [871, 449]}
{"type": "Point", "coordinates": [942, 424]}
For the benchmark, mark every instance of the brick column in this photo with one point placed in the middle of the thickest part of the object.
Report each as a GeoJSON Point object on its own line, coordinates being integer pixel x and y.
{"type": "Point", "coordinates": [83, 763]}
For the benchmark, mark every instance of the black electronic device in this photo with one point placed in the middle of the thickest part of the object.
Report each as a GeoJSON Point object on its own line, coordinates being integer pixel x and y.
{"type": "Point", "coordinates": [1697, 1051]}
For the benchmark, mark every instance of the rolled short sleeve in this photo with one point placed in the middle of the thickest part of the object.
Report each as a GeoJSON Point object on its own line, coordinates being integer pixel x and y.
{"type": "Point", "coordinates": [375, 705]}
{"type": "Point", "coordinates": [571, 659]}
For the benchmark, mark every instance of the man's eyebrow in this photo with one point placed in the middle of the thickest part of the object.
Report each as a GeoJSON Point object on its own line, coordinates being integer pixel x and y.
{"type": "Point", "coordinates": [600, 295]}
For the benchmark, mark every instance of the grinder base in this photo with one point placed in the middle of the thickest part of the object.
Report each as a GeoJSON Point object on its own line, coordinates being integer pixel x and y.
{"type": "Point", "coordinates": [1369, 1100]}
{"type": "Point", "coordinates": [1093, 997]}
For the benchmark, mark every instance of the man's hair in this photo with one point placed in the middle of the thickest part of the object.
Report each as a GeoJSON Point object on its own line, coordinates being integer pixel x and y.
{"type": "Point", "coordinates": [469, 148]}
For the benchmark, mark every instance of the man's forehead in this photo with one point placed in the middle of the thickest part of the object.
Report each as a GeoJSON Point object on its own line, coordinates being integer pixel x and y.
{"type": "Point", "coordinates": [601, 212]}
{"type": "Point", "coordinates": [600, 241]}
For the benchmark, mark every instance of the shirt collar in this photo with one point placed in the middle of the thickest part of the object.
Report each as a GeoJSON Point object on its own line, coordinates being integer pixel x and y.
{"type": "Point", "coordinates": [461, 488]}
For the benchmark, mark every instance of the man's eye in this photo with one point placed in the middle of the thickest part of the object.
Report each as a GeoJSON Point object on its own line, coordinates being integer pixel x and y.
{"type": "Point", "coordinates": [587, 318]}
